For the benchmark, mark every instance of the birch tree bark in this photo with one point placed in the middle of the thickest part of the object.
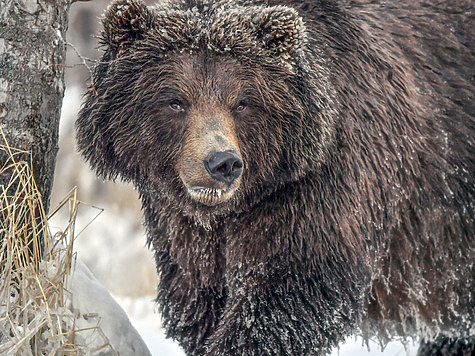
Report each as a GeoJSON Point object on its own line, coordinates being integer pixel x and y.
{"type": "Point", "coordinates": [32, 56]}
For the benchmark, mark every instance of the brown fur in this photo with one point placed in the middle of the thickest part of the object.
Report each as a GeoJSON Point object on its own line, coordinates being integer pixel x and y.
{"type": "Point", "coordinates": [354, 209]}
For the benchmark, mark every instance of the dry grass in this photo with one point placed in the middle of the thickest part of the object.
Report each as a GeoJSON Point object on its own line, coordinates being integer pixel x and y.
{"type": "Point", "coordinates": [36, 317]}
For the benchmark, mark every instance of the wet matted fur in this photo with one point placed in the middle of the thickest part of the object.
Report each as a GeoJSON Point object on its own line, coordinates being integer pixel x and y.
{"type": "Point", "coordinates": [354, 209]}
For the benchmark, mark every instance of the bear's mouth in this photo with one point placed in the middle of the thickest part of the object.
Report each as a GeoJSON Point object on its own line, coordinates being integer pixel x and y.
{"type": "Point", "coordinates": [210, 196]}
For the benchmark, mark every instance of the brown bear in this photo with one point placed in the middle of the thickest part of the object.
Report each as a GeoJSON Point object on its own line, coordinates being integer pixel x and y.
{"type": "Point", "coordinates": [306, 167]}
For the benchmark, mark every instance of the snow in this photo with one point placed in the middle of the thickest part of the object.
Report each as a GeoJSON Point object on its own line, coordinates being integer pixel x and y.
{"type": "Point", "coordinates": [95, 307]}
{"type": "Point", "coordinates": [146, 321]}
{"type": "Point", "coordinates": [354, 347]}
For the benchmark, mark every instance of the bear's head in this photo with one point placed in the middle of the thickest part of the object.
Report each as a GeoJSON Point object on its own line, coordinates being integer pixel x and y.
{"type": "Point", "coordinates": [211, 104]}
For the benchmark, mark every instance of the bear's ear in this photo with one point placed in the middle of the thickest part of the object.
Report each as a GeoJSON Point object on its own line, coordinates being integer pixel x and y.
{"type": "Point", "coordinates": [281, 30]}
{"type": "Point", "coordinates": [124, 22]}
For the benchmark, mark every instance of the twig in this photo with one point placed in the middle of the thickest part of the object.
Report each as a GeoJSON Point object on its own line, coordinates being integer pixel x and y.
{"type": "Point", "coordinates": [83, 59]}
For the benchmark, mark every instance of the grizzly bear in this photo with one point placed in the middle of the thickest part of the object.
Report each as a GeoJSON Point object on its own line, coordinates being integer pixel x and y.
{"type": "Point", "coordinates": [306, 167]}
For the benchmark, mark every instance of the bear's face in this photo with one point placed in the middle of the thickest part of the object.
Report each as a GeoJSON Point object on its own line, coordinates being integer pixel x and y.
{"type": "Point", "coordinates": [204, 98]}
{"type": "Point", "coordinates": [201, 104]}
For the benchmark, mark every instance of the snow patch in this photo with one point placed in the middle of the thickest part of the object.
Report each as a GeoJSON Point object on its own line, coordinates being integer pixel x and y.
{"type": "Point", "coordinates": [95, 307]}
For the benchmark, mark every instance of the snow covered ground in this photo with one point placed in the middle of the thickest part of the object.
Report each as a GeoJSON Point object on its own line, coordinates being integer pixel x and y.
{"type": "Point", "coordinates": [113, 246]}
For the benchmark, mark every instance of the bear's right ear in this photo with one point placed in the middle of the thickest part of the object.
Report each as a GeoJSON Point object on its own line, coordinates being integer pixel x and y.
{"type": "Point", "coordinates": [124, 22]}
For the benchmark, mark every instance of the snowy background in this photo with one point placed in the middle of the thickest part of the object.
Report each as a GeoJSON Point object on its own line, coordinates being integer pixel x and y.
{"type": "Point", "coordinates": [113, 245]}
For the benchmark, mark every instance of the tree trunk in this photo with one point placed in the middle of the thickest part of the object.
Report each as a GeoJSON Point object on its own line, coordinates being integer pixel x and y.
{"type": "Point", "coordinates": [32, 56]}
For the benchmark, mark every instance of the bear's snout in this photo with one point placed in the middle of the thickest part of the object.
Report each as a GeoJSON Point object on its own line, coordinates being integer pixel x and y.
{"type": "Point", "coordinates": [210, 165]}
{"type": "Point", "coordinates": [224, 166]}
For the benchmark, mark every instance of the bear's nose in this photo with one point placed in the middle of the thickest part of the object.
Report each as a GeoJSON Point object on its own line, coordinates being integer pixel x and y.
{"type": "Point", "coordinates": [224, 166]}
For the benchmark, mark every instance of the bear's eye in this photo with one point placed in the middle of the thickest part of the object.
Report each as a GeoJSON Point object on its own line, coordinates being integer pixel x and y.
{"type": "Point", "coordinates": [176, 106]}
{"type": "Point", "coordinates": [241, 107]}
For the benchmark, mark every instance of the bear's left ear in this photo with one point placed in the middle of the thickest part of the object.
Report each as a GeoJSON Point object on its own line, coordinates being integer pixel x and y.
{"type": "Point", "coordinates": [124, 22]}
{"type": "Point", "coordinates": [281, 30]}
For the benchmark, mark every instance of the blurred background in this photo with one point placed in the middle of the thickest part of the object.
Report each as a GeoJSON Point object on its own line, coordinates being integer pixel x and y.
{"type": "Point", "coordinates": [113, 245]}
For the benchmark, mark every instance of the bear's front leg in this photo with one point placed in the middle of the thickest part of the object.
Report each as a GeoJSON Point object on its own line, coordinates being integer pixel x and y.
{"type": "Point", "coordinates": [190, 313]}
{"type": "Point", "coordinates": [288, 311]}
